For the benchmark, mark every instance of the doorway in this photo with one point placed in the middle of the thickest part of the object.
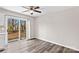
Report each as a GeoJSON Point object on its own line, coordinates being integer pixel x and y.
{"type": "Point", "coordinates": [16, 28]}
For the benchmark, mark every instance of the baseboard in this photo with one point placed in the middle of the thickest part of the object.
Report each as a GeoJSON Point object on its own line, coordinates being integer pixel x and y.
{"type": "Point", "coordinates": [32, 38]}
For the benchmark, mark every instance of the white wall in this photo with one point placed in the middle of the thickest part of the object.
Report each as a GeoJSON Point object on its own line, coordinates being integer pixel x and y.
{"type": "Point", "coordinates": [4, 13]}
{"type": "Point", "coordinates": [60, 28]}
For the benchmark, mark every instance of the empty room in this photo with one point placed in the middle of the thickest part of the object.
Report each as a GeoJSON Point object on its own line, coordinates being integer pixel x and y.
{"type": "Point", "coordinates": [39, 29]}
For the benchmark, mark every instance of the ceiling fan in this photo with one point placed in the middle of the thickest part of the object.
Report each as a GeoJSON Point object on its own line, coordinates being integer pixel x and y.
{"type": "Point", "coordinates": [32, 9]}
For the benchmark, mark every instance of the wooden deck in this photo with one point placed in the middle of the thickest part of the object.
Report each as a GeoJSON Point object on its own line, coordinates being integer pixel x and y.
{"type": "Point", "coordinates": [13, 35]}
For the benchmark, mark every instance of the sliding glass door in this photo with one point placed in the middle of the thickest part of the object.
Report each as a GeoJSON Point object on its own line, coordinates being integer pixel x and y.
{"type": "Point", "coordinates": [17, 28]}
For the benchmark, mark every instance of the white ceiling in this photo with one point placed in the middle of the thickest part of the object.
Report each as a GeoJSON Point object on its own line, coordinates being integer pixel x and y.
{"type": "Point", "coordinates": [44, 9]}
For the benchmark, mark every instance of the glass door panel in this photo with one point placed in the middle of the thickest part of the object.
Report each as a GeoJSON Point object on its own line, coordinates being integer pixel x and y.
{"type": "Point", "coordinates": [13, 29]}
{"type": "Point", "coordinates": [22, 29]}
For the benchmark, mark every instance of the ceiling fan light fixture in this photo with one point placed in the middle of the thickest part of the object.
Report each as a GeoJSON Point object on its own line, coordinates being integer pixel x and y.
{"type": "Point", "coordinates": [31, 12]}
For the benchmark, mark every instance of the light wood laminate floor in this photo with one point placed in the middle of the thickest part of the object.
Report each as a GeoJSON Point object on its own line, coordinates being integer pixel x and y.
{"type": "Point", "coordinates": [36, 46]}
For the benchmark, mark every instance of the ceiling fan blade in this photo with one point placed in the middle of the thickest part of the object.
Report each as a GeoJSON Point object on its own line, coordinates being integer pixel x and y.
{"type": "Point", "coordinates": [37, 11]}
{"type": "Point", "coordinates": [37, 7]}
{"type": "Point", "coordinates": [25, 7]}
{"type": "Point", "coordinates": [26, 10]}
